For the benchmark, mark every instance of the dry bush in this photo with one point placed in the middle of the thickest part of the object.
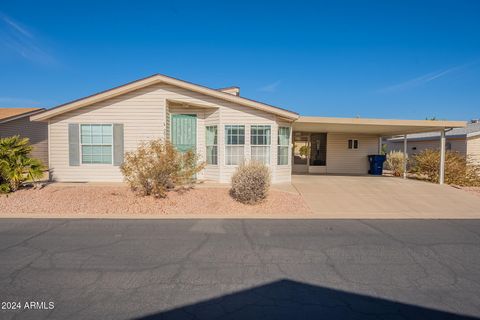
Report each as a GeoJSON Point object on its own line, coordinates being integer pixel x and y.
{"type": "Point", "coordinates": [250, 183]}
{"type": "Point", "coordinates": [395, 162]}
{"type": "Point", "coordinates": [157, 166]}
{"type": "Point", "coordinates": [458, 170]}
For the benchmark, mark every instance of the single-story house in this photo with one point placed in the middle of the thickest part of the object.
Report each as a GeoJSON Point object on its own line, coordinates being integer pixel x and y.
{"type": "Point", "coordinates": [16, 121]}
{"type": "Point", "coordinates": [89, 136]}
{"type": "Point", "coordinates": [466, 141]}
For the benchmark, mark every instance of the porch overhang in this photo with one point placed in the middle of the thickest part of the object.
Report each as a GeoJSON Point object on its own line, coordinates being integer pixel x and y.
{"type": "Point", "coordinates": [378, 127]}
{"type": "Point", "coordinates": [190, 104]}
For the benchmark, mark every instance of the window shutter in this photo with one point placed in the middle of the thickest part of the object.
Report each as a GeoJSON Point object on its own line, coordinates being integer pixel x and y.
{"type": "Point", "coordinates": [73, 144]}
{"type": "Point", "coordinates": [117, 144]}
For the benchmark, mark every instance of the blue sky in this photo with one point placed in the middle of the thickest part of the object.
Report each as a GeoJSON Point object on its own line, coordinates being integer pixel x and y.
{"type": "Point", "coordinates": [382, 59]}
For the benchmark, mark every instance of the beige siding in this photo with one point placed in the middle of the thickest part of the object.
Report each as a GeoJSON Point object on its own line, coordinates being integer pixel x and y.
{"type": "Point", "coordinates": [142, 114]}
{"type": "Point", "coordinates": [37, 132]}
{"type": "Point", "coordinates": [473, 149]}
{"type": "Point", "coordinates": [145, 116]}
{"type": "Point", "coordinates": [342, 160]}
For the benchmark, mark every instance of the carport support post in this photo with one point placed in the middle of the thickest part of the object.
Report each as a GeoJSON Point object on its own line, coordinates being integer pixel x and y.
{"type": "Point", "coordinates": [441, 179]}
{"type": "Point", "coordinates": [404, 156]}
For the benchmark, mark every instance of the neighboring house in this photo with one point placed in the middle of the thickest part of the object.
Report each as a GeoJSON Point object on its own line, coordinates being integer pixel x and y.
{"type": "Point", "coordinates": [16, 121]}
{"type": "Point", "coordinates": [88, 136]}
{"type": "Point", "coordinates": [463, 140]}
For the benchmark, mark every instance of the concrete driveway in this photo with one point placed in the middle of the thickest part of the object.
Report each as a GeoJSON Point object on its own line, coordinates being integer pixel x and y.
{"type": "Point", "coordinates": [369, 197]}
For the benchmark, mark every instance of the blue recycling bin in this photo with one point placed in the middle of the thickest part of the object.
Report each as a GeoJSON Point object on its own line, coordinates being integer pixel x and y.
{"type": "Point", "coordinates": [376, 164]}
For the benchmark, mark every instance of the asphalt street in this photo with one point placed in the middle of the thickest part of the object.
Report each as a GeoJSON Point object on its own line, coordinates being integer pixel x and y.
{"type": "Point", "coordinates": [239, 269]}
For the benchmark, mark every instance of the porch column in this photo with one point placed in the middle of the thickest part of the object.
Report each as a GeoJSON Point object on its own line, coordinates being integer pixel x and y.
{"type": "Point", "coordinates": [379, 145]}
{"type": "Point", "coordinates": [404, 156]}
{"type": "Point", "coordinates": [441, 179]}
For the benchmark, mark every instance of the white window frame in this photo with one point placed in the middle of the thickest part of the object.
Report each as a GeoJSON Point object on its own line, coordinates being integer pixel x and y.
{"type": "Point", "coordinates": [353, 144]}
{"type": "Point", "coordinates": [268, 146]}
{"type": "Point", "coordinates": [81, 144]}
{"type": "Point", "coordinates": [225, 156]}
{"type": "Point", "coordinates": [211, 145]}
{"type": "Point", "coordinates": [283, 145]}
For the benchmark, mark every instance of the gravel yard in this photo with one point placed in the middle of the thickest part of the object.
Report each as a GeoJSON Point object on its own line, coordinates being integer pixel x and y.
{"type": "Point", "coordinates": [105, 200]}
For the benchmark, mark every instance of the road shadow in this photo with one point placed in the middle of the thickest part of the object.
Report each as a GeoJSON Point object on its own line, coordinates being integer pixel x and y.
{"type": "Point", "coordinates": [287, 299]}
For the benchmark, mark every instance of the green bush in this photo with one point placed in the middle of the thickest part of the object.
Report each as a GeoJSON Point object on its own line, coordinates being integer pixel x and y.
{"type": "Point", "coordinates": [250, 183]}
{"type": "Point", "coordinates": [395, 162]}
{"type": "Point", "coordinates": [16, 165]}
{"type": "Point", "coordinates": [156, 166]}
{"type": "Point", "coordinates": [458, 170]}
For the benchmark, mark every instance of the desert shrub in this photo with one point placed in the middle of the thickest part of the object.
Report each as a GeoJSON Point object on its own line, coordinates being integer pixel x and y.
{"type": "Point", "coordinates": [250, 183]}
{"type": "Point", "coordinates": [458, 170]}
{"type": "Point", "coordinates": [16, 165]}
{"type": "Point", "coordinates": [156, 166]}
{"type": "Point", "coordinates": [395, 162]}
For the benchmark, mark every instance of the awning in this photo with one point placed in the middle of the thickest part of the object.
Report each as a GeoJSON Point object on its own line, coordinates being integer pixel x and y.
{"type": "Point", "coordinates": [379, 127]}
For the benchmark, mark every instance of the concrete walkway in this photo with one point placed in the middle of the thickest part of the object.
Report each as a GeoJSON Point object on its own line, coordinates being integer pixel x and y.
{"type": "Point", "coordinates": [369, 197]}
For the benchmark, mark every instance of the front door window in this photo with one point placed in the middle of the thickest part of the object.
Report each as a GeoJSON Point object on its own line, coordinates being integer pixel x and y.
{"type": "Point", "coordinates": [318, 149]}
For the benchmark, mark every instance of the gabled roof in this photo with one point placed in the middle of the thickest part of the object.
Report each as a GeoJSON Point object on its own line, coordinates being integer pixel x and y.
{"type": "Point", "coordinates": [159, 78]}
{"type": "Point", "coordinates": [9, 114]}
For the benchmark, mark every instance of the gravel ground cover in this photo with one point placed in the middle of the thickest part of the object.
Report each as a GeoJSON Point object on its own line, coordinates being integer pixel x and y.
{"type": "Point", "coordinates": [104, 200]}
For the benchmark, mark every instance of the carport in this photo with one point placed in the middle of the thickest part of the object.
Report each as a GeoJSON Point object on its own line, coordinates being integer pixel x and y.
{"type": "Point", "coordinates": [340, 145]}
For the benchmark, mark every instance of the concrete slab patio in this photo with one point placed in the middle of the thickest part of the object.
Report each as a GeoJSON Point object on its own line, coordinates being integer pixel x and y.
{"type": "Point", "coordinates": [373, 197]}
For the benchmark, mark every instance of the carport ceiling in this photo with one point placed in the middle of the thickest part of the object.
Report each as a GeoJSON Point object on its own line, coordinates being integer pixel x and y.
{"type": "Point", "coordinates": [380, 127]}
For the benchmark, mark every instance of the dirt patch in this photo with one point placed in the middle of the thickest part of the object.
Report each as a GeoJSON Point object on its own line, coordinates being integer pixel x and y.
{"type": "Point", "coordinates": [102, 200]}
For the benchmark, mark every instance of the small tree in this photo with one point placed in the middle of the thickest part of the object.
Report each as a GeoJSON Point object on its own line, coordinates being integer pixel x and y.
{"type": "Point", "coordinates": [395, 162]}
{"type": "Point", "coordinates": [250, 183]}
{"type": "Point", "coordinates": [458, 170]}
{"type": "Point", "coordinates": [16, 165]}
{"type": "Point", "coordinates": [156, 166]}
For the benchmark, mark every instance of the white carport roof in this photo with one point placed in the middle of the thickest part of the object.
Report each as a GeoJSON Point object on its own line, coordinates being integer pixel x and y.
{"type": "Point", "coordinates": [380, 127]}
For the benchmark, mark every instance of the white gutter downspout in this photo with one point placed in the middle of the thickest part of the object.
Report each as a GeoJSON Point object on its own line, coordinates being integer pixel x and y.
{"type": "Point", "coordinates": [404, 156]}
{"type": "Point", "coordinates": [441, 179]}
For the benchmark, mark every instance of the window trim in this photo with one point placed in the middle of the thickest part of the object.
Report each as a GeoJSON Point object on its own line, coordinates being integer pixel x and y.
{"type": "Point", "coordinates": [353, 144]}
{"type": "Point", "coordinates": [213, 145]}
{"type": "Point", "coordinates": [283, 145]}
{"type": "Point", "coordinates": [261, 145]}
{"type": "Point", "coordinates": [227, 145]}
{"type": "Point", "coordinates": [80, 144]}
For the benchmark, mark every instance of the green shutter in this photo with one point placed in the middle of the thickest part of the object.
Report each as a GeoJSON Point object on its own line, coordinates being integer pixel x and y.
{"type": "Point", "coordinates": [117, 144]}
{"type": "Point", "coordinates": [73, 144]}
{"type": "Point", "coordinates": [184, 131]}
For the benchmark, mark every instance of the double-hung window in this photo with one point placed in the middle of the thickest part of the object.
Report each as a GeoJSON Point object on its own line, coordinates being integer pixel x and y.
{"type": "Point", "coordinates": [211, 143]}
{"type": "Point", "coordinates": [352, 144]}
{"type": "Point", "coordinates": [234, 144]}
{"type": "Point", "coordinates": [283, 145]}
{"type": "Point", "coordinates": [260, 140]}
{"type": "Point", "coordinates": [96, 143]}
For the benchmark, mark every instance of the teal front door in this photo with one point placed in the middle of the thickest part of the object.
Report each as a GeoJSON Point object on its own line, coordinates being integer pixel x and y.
{"type": "Point", "coordinates": [184, 132]}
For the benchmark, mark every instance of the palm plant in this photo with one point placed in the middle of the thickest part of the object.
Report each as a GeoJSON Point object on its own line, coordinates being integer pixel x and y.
{"type": "Point", "coordinates": [16, 165]}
